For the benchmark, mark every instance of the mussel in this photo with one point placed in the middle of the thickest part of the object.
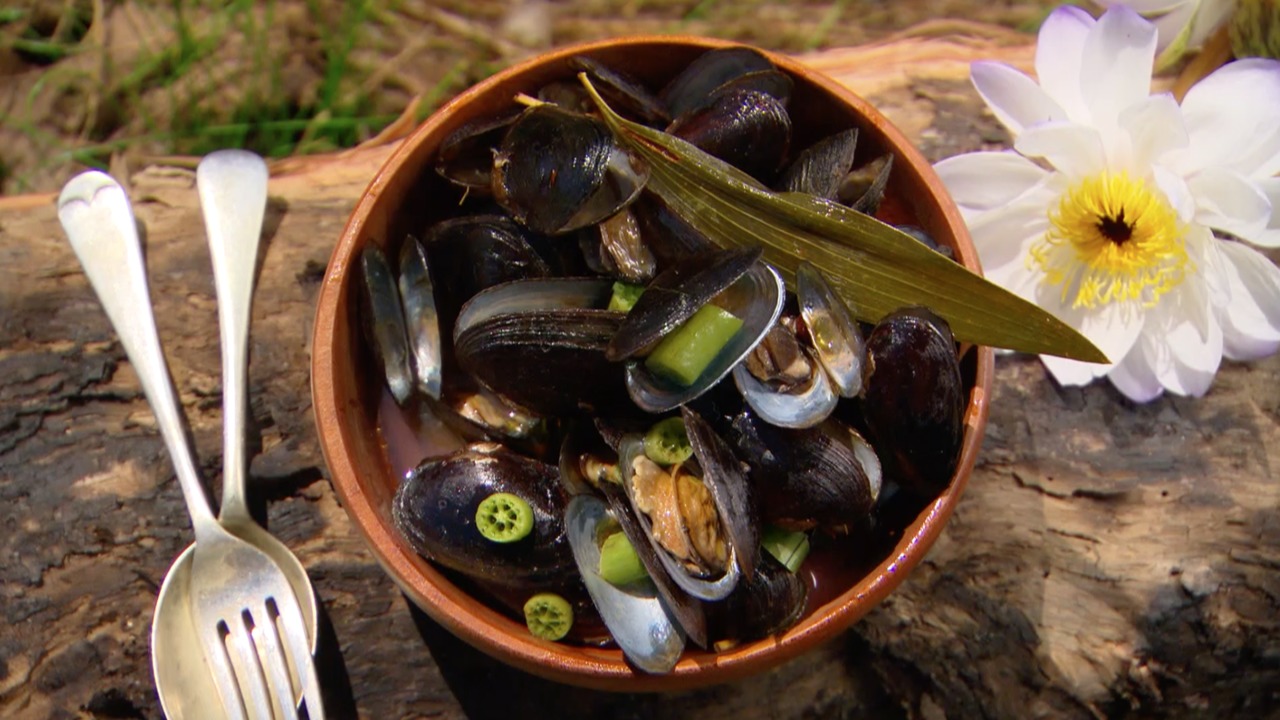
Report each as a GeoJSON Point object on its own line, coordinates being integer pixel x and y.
{"type": "Point", "coordinates": [435, 510]}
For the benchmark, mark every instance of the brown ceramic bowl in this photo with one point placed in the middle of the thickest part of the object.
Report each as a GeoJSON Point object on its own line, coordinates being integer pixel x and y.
{"type": "Point", "coordinates": [403, 197]}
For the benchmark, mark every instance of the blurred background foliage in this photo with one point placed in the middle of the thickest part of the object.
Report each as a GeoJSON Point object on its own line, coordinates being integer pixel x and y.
{"type": "Point", "coordinates": [83, 82]}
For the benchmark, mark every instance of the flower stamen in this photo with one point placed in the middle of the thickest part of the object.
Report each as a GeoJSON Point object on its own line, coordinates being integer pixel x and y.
{"type": "Point", "coordinates": [1112, 239]}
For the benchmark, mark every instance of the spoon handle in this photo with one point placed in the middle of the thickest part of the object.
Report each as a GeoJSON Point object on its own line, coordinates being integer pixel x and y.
{"type": "Point", "coordinates": [233, 197]}
{"type": "Point", "coordinates": [99, 221]}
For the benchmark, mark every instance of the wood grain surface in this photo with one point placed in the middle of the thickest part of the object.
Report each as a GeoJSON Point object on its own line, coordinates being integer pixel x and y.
{"type": "Point", "coordinates": [1107, 560]}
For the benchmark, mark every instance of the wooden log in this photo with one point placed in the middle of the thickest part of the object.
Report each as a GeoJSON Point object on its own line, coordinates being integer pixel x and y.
{"type": "Point", "coordinates": [1107, 559]}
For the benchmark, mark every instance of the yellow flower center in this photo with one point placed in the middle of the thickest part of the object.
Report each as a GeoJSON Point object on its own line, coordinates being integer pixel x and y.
{"type": "Point", "coordinates": [1112, 238]}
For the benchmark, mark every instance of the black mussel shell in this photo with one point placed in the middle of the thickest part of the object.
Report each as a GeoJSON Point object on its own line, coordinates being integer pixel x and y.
{"type": "Point", "coordinates": [745, 128]}
{"type": "Point", "coordinates": [803, 478]}
{"type": "Point", "coordinates": [548, 359]}
{"type": "Point", "coordinates": [587, 627]}
{"type": "Point", "coordinates": [726, 478]}
{"type": "Point", "coordinates": [918, 233]}
{"type": "Point", "coordinates": [558, 171]}
{"type": "Point", "coordinates": [466, 155]}
{"type": "Point", "coordinates": [384, 322]}
{"type": "Point", "coordinates": [623, 93]}
{"type": "Point", "coordinates": [470, 254]}
{"type": "Point", "coordinates": [864, 188]}
{"type": "Point", "coordinates": [702, 77]}
{"type": "Point", "coordinates": [820, 169]}
{"type": "Point", "coordinates": [767, 601]}
{"type": "Point", "coordinates": [676, 294]}
{"type": "Point", "coordinates": [913, 404]}
{"type": "Point", "coordinates": [435, 509]}
{"type": "Point", "coordinates": [668, 236]}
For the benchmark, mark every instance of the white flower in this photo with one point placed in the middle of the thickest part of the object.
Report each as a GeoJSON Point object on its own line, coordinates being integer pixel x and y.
{"type": "Point", "coordinates": [1104, 214]}
{"type": "Point", "coordinates": [1182, 24]}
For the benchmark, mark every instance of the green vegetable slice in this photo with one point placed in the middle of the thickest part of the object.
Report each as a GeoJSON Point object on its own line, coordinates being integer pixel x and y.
{"type": "Point", "coordinates": [667, 443]}
{"type": "Point", "coordinates": [624, 296]}
{"type": "Point", "coordinates": [685, 352]}
{"type": "Point", "coordinates": [788, 547]}
{"type": "Point", "coordinates": [548, 616]}
{"type": "Point", "coordinates": [504, 518]}
{"type": "Point", "coordinates": [619, 563]}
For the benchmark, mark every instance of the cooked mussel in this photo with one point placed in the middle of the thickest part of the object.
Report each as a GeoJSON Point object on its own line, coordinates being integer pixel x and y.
{"type": "Point", "coordinates": [826, 477]}
{"type": "Point", "coordinates": [708, 73]}
{"type": "Point", "coordinates": [784, 382]}
{"type": "Point", "coordinates": [557, 171]}
{"type": "Point", "coordinates": [417, 298]}
{"type": "Point", "coordinates": [541, 343]}
{"type": "Point", "coordinates": [384, 322]}
{"type": "Point", "coordinates": [435, 510]}
{"type": "Point", "coordinates": [636, 616]}
{"type": "Point", "coordinates": [769, 600]}
{"type": "Point", "coordinates": [913, 403]}
{"type": "Point", "coordinates": [821, 168]}
{"type": "Point", "coordinates": [697, 514]}
{"type": "Point", "coordinates": [748, 129]}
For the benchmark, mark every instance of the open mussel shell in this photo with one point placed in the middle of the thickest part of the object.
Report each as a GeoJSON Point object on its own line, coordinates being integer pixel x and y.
{"type": "Point", "coordinates": [541, 344]}
{"type": "Point", "coordinates": [837, 340]}
{"type": "Point", "coordinates": [384, 322]}
{"type": "Point", "coordinates": [821, 168]}
{"type": "Point", "coordinates": [417, 298]}
{"type": "Point", "coordinates": [799, 407]}
{"type": "Point", "coordinates": [435, 509]}
{"type": "Point", "coordinates": [914, 400]}
{"type": "Point", "coordinates": [636, 616]}
{"type": "Point", "coordinates": [557, 171]}
{"type": "Point", "coordinates": [466, 156]}
{"type": "Point", "coordinates": [623, 93]}
{"type": "Point", "coordinates": [864, 188]}
{"type": "Point", "coordinates": [726, 481]}
{"type": "Point", "coordinates": [471, 253]}
{"type": "Point", "coordinates": [756, 298]}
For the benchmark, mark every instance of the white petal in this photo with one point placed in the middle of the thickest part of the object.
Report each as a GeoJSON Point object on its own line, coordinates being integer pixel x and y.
{"type": "Point", "coordinates": [1003, 236]}
{"type": "Point", "coordinates": [1231, 117]}
{"type": "Point", "coordinates": [1116, 72]}
{"type": "Point", "coordinates": [1251, 320]}
{"type": "Point", "coordinates": [1134, 378]}
{"type": "Point", "coordinates": [1113, 328]}
{"type": "Point", "coordinates": [1016, 99]}
{"type": "Point", "coordinates": [1154, 126]}
{"type": "Point", "coordinates": [1229, 202]}
{"type": "Point", "coordinates": [985, 180]}
{"type": "Point", "coordinates": [1271, 236]}
{"type": "Point", "coordinates": [1059, 53]}
{"type": "Point", "coordinates": [1073, 148]}
{"type": "Point", "coordinates": [1072, 372]}
{"type": "Point", "coordinates": [1184, 321]}
{"type": "Point", "coordinates": [1176, 192]}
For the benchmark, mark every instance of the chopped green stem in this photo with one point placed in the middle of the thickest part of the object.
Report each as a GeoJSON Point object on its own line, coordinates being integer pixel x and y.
{"type": "Point", "coordinates": [788, 547]}
{"type": "Point", "coordinates": [504, 518]}
{"type": "Point", "coordinates": [624, 296]}
{"type": "Point", "coordinates": [686, 352]}
{"type": "Point", "coordinates": [619, 563]}
{"type": "Point", "coordinates": [548, 616]}
{"type": "Point", "coordinates": [667, 442]}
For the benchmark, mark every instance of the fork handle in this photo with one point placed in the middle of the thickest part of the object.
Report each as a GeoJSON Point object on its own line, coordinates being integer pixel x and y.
{"type": "Point", "coordinates": [233, 196]}
{"type": "Point", "coordinates": [99, 221]}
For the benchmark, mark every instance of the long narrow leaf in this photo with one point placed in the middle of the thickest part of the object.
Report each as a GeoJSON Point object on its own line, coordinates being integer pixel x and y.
{"type": "Point", "coordinates": [875, 267]}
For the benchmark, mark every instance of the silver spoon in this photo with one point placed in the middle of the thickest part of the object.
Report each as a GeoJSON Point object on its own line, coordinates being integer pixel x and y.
{"type": "Point", "coordinates": [230, 593]}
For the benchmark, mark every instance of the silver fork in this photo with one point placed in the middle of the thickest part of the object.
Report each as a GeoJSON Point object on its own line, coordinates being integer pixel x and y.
{"type": "Point", "coordinates": [232, 185]}
{"type": "Point", "coordinates": [235, 592]}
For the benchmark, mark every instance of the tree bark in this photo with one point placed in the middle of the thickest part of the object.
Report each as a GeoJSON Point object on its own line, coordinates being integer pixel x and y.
{"type": "Point", "coordinates": [1107, 560]}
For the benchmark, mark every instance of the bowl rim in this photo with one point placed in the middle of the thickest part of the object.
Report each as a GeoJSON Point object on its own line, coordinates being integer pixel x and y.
{"type": "Point", "coordinates": [489, 630]}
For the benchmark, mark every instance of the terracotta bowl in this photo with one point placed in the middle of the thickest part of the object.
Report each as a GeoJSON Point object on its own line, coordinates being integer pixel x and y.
{"type": "Point", "coordinates": [405, 195]}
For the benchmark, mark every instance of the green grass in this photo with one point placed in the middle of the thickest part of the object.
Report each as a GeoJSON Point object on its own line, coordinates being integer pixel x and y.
{"type": "Point", "coordinates": [173, 92]}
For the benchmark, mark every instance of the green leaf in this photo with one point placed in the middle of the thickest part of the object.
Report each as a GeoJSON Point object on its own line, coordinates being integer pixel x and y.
{"type": "Point", "coordinates": [875, 267]}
